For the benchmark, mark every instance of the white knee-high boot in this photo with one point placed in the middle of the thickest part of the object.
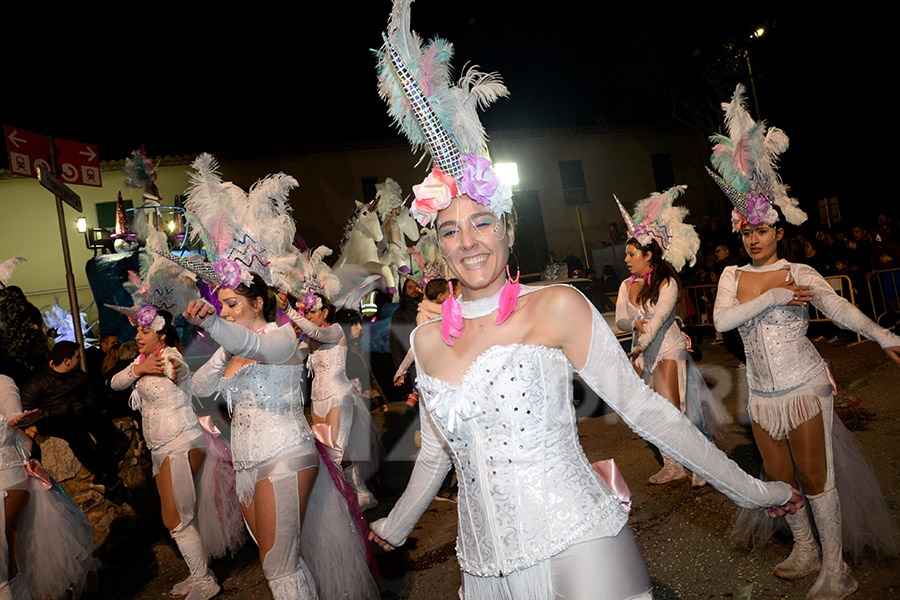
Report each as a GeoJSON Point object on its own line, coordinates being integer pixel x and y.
{"type": "Point", "coordinates": [804, 557]}
{"type": "Point", "coordinates": [203, 585]}
{"type": "Point", "coordinates": [835, 580]}
{"type": "Point", "coordinates": [284, 568]}
{"type": "Point", "coordinates": [671, 471]}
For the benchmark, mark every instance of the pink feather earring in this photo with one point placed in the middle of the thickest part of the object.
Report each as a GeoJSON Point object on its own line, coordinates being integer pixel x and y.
{"type": "Point", "coordinates": [451, 318]}
{"type": "Point", "coordinates": [509, 295]}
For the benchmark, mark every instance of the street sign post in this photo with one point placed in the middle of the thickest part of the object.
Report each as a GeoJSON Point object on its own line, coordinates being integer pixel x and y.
{"type": "Point", "coordinates": [58, 188]}
{"type": "Point", "coordinates": [79, 163]}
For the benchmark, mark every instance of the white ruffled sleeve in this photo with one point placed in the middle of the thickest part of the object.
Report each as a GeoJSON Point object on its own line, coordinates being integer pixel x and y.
{"type": "Point", "coordinates": [609, 373]}
{"type": "Point", "coordinates": [840, 311]}
{"type": "Point", "coordinates": [10, 402]}
{"type": "Point", "coordinates": [665, 306]}
{"type": "Point", "coordinates": [623, 321]}
{"type": "Point", "coordinates": [432, 466]}
{"type": "Point", "coordinates": [728, 315]}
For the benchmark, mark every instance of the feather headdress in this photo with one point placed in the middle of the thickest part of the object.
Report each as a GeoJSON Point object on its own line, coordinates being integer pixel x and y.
{"type": "Point", "coordinates": [388, 197]}
{"type": "Point", "coordinates": [657, 219]}
{"type": "Point", "coordinates": [241, 232]}
{"type": "Point", "coordinates": [160, 283]}
{"type": "Point", "coordinates": [746, 161]}
{"type": "Point", "coordinates": [415, 82]}
{"type": "Point", "coordinates": [303, 274]}
{"type": "Point", "coordinates": [8, 267]}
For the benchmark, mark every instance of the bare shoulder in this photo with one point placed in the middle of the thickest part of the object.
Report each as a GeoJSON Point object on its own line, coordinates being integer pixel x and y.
{"type": "Point", "coordinates": [427, 338]}
{"type": "Point", "coordinates": [559, 302]}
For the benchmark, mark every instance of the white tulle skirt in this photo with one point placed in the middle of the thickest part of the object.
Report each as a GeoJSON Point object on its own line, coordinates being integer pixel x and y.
{"type": "Point", "coordinates": [55, 542]}
{"type": "Point", "coordinates": [364, 448]}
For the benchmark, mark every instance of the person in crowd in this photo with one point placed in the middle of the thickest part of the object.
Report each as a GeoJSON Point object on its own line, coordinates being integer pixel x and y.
{"type": "Point", "coordinates": [359, 369]}
{"type": "Point", "coordinates": [68, 410]}
{"type": "Point", "coordinates": [402, 323]}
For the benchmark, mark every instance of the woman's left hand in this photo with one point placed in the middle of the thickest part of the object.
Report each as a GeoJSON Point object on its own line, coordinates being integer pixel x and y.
{"type": "Point", "coordinates": [197, 311]}
{"type": "Point", "coordinates": [893, 353]}
{"type": "Point", "coordinates": [26, 418]}
{"type": "Point", "coordinates": [635, 352]}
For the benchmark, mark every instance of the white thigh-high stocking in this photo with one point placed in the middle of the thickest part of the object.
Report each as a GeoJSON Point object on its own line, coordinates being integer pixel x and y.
{"type": "Point", "coordinates": [835, 580]}
{"type": "Point", "coordinates": [345, 425]}
{"type": "Point", "coordinates": [201, 583]}
{"type": "Point", "coordinates": [17, 588]}
{"type": "Point", "coordinates": [284, 568]}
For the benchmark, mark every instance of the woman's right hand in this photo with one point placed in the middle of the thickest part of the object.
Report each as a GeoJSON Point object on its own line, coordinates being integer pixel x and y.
{"type": "Point", "coordinates": [197, 311]}
{"type": "Point", "coordinates": [152, 365]}
{"type": "Point", "coordinates": [26, 419]}
{"type": "Point", "coordinates": [398, 380]}
{"type": "Point", "coordinates": [796, 502]}
{"type": "Point", "coordinates": [374, 538]}
{"type": "Point", "coordinates": [802, 293]}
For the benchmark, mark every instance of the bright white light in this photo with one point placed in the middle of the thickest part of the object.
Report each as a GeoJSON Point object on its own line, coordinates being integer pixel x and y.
{"type": "Point", "coordinates": [171, 226]}
{"type": "Point", "coordinates": [508, 173]}
{"type": "Point", "coordinates": [759, 32]}
{"type": "Point", "coordinates": [81, 224]}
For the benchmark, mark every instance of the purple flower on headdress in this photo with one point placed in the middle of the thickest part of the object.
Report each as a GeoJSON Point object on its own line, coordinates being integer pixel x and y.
{"type": "Point", "coordinates": [229, 271]}
{"type": "Point", "coordinates": [145, 315]}
{"type": "Point", "coordinates": [479, 181]}
{"type": "Point", "coordinates": [757, 208]}
{"type": "Point", "coordinates": [311, 301]}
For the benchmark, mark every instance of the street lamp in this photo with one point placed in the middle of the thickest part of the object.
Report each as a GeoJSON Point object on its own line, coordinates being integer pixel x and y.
{"type": "Point", "coordinates": [508, 173]}
{"type": "Point", "coordinates": [757, 33]}
{"type": "Point", "coordinates": [81, 225]}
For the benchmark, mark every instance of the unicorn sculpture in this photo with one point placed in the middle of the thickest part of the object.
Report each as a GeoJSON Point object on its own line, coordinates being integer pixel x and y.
{"type": "Point", "coordinates": [396, 223]}
{"type": "Point", "coordinates": [359, 250]}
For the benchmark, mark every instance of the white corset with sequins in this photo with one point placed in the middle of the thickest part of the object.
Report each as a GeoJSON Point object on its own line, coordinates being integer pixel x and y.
{"type": "Point", "coordinates": [267, 416]}
{"type": "Point", "coordinates": [526, 488]}
{"type": "Point", "coordinates": [328, 366]}
{"type": "Point", "coordinates": [779, 355]}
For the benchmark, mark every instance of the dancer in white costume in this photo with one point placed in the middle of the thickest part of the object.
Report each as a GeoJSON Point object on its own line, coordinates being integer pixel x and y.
{"type": "Point", "coordinates": [42, 528]}
{"type": "Point", "coordinates": [334, 401]}
{"type": "Point", "coordinates": [661, 243]}
{"type": "Point", "coordinates": [791, 404]}
{"type": "Point", "coordinates": [178, 447]}
{"type": "Point", "coordinates": [280, 475]}
{"type": "Point", "coordinates": [535, 521]}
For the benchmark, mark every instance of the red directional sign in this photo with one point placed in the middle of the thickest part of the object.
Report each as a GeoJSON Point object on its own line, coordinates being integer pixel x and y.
{"type": "Point", "coordinates": [79, 163]}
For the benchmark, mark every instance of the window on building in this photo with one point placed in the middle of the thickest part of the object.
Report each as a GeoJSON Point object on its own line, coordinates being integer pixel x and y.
{"type": "Point", "coordinates": [572, 176]}
{"type": "Point", "coordinates": [106, 214]}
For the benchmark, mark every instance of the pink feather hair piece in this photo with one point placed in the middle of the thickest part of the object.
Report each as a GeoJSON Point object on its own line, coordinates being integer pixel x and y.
{"type": "Point", "coordinates": [451, 318]}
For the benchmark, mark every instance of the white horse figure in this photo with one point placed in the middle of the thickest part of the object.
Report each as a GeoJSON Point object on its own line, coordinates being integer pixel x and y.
{"type": "Point", "coordinates": [399, 226]}
{"type": "Point", "coordinates": [358, 248]}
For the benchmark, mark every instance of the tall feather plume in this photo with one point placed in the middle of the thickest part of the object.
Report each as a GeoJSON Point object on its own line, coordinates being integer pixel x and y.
{"type": "Point", "coordinates": [210, 221]}
{"type": "Point", "coordinates": [269, 215]}
{"type": "Point", "coordinates": [429, 64]}
{"type": "Point", "coordinates": [8, 267]}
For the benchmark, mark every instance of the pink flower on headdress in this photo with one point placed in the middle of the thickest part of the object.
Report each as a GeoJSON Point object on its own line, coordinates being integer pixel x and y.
{"type": "Point", "coordinates": [479, 179]}
{"type": "Point", "coordinates": [432, 195]}
{"type": "Point", "coordinates": [229, 271]}
{"type": "Point", "coordinates": [146, 315]}
{"type": "Point", "coordinates": [737, 220]}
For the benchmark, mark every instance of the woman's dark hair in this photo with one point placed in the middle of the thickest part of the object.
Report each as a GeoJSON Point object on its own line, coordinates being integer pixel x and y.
{"type": "Point", "coordinates": [662, 271]}
{"type": "Point", "coordinates": [173, 340]}
{"type": "Point", "coordinates": [259, 289]}
{"type": "Point", "coordinates": [326, 305]}
{"type": "Point", "coordinates": [347, 318]}
{"type": "Point", "coordinates": [435, 288]}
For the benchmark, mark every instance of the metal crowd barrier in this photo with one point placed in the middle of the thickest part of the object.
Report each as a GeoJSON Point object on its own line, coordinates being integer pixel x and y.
{"type": "Point", "coordinates": [883, 288]}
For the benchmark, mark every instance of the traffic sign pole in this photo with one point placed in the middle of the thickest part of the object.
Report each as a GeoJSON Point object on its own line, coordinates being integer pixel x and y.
{"type": "Point", "coordinates": [70, 278]}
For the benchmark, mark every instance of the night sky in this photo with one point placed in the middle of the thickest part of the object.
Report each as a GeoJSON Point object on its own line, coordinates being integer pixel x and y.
{"type": "Point", "coordinates": [261, 81]}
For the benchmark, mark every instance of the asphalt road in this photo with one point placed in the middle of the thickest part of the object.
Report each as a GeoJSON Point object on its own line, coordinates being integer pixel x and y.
{"type": "Point", "coordinates": [682, 532]}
